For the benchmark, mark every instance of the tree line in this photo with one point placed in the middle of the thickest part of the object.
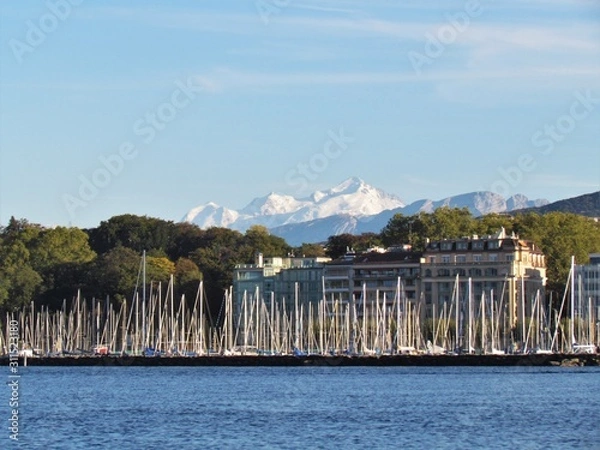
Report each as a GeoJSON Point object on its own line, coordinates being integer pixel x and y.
{"type": "Point", "coordinates": [47, 265]}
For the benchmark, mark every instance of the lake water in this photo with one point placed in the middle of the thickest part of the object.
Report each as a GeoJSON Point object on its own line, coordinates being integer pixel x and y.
{"type": "Point", "coordinates": [305, 407]}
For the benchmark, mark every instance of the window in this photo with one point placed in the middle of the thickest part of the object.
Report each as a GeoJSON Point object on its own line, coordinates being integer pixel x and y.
{"type": "Point", "coordinates": [493, 257]}
{"type": "Point", "coordinates": [338, 284]}
{"type": "Point", "coordinates": [493, 245]}
{"type": "Point", "coordinates": [461, 258]}
{"type": "Point", "coordinates": [510, 257]}
{"type": "Point", "coordinates": [432, 260]}
{"type": "Point", "coordinates": [446, 246]}
{"type": "Point", "coordinates": [337, 273]}
{"type": "Point", "coordinates": [476, 258]}
{"type": "Point", "coordinates": [477, 245]}
{"type": "Point", "coordinates": [462, 245]}
{"type": "Point", "coordinates": [444, 286]}
{"type": "Point", "coordinates": [446, 259]}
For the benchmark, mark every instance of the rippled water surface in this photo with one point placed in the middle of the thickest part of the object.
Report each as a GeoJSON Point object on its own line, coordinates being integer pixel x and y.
{"type": "Point", "coordinates": [306, 407]}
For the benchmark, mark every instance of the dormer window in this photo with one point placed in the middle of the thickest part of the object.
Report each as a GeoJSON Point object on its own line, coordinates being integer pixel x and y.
{"type": "Point", "coordinates": [493, 245]}
{"type": "Point", "coordinates": [462, 245]}
{"type": "Point", "coordinates": [477, 245]}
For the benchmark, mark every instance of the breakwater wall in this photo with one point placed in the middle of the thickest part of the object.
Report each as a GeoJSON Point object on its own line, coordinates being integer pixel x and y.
{"type": "Point", "coordinates": [563, 360]}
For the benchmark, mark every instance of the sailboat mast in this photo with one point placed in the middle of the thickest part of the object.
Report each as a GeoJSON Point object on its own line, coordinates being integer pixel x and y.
{"type": "Point", "coordinates": [143, 299]}
{"type": "Point", "coordinates": [572, 324]}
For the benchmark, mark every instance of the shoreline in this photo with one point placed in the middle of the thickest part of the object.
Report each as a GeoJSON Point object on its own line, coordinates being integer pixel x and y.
{"type": "Point", "coordinates": [548, 360]}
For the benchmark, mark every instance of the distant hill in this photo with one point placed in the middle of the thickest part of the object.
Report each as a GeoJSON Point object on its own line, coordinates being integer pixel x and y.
{"type": "Point", "coordinates": [584, 205]}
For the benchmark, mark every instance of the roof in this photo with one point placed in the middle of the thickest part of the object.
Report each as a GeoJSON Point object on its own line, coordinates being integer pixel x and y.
{"type": "Point", "coordinates": [378, 258]}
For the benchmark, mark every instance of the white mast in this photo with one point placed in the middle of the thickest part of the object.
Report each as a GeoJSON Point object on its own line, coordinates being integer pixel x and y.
{"type": "Point", "coordinates": [572, 324]}
{"type": "Point", "coordinates": [144, 298]}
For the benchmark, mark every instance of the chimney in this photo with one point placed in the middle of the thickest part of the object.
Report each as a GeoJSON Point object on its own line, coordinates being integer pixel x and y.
{"type": "Point", "coordinates": [258, 260]}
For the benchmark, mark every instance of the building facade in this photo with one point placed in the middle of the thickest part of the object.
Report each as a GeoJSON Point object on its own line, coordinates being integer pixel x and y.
{"type": "Point", "coordinates": [587, 285]}
{"type": "Point", "coordinates": [284, 279]}
{"type": "Point", "coordinates": [506, 270]}
{"type": "Point", "coordinates": [374, 276]}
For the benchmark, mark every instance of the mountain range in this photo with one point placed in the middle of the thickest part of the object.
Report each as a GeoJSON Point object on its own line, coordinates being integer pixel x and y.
{"type": "Point", "coordinates": [584, 205]}
{"type": "Point", "coordinates": [352, 206]}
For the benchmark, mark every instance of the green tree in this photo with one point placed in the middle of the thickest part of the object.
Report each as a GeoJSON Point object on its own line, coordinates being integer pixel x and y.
{"type": "Point", "coordinates": [449, 223]}
{"type": "Point", "coordinates": [185, 239]}
{"type": "Point", "coordinates": [19, 282]}
{"type": "Point", "coordinates": [259, 239]}
{"type": "Point", "coordinates": [401, 230]}
{"type": "Point", "coordinates": [159, 269]}
{"type": "Point", "coordinates": [560, 236]}
{"type": "Point", "coordinates": [116, 274]}
{"type": "Point", "coordinates": [491, 223]}
{"type": "Point", "coordinates": [216, 259]}
{"type": "Point", "coordinates": [61, 256]}
{"type": "Point", "coordinates": [339, 244]}
{"type": "Point", "coordinates": [187, 278]}
{"type": "Point", "coordinates": [138, 233]}
{"type": "Point", "coordinates": [443, 223]}
{"type": "Point", "coordinates": [58, 246]}
{"type": "Point", "coordinates": [310, 250]}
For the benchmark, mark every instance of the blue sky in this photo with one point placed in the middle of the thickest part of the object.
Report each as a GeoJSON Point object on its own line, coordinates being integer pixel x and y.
{"type": "Point", "coordinates": [152, 108]}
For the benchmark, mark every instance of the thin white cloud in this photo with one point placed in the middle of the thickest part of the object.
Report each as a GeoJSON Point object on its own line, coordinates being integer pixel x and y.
{"type": "Point", "coordinates": [534, 38]}
{"type": "Point", "coordinates": [177, 18]}
{"type": "Point", "coordinates": [320, 8]}
{"type": "Point", "coordinates": [480, 29]}
{"type": "Point", "coordinates": [225, 78]}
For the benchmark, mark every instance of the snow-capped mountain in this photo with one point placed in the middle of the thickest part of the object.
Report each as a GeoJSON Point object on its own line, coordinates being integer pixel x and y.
{"type": "Point", "coordinates": [478, 203]}
{"type": "Point", "coordinates": [212, 215]}
{"type": "Point", "coordinates": [353, 206]}
{"type": "Point", "coordinates": [353, 197]}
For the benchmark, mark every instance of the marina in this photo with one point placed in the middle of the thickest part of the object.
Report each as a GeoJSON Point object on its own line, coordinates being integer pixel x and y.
{"type": "Point", "coordinates": [156, 329]}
